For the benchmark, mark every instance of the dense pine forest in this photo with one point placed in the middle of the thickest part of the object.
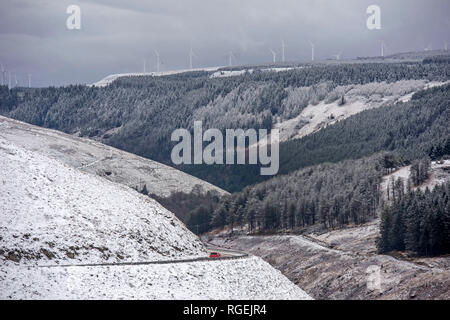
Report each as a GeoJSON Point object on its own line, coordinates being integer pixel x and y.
{"type": "Point", "coordinates": [138, 114]}
{"type": "Point", "coordinates": [417, 222]}
{"type": "Point", "coordinates": [327, 195]}
{"type": "Point", "coordinates": [414, 129]}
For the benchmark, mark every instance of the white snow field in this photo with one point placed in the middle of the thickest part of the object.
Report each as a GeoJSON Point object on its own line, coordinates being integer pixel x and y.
{"type": "Point", "coordinates": [236, 73]}
{"type": "Point", "coordinates": [111, 78]}
{"type": "Point", "coordinates": [97, 158]}
{"type": "Point", "coordinates": [55, 219]}
{"type": "Point", "coordinates": [250, 278]}
{"type": "Point", "coordinates": [51, 213]}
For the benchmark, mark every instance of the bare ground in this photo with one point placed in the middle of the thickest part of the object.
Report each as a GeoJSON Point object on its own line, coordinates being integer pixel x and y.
{"type": "Point", "coordinates": [330, 267]}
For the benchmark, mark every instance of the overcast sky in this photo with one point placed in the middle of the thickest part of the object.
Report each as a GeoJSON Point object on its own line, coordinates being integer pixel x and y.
{"type": "Point", "coordinates": [116, 36]}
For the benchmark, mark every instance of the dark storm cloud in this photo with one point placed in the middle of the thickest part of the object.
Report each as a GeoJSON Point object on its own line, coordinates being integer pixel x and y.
{"type": "Point", "coordinates": [117, 35]}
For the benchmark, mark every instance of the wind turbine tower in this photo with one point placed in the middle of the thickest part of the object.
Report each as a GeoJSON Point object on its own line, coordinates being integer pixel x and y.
{"type": "Point", "coordinates": [338, 56]}
{"type": "Point", "coordinates": [283, 47]}
{"type": "Point", "coordinates": [312, 51]}
{"type": "Point", "coordinates": [383, 45]}
{"type": "Point", "coordinates": [445, 45]}
{"type": "Point", "coordinates": [9, 79]}
{"type": "Point", "coordinates": [3, 74]}
{"type": "Point", "coordinates": [29, 80]}
{"type": "Point", "coordinates": [158, 62]}
{"type": "Point", "coordinates": [191, 56]}
{"type": "Point", "coordinates": [230, 58]}
{"type": "Point", "coordinates": [274, 55]}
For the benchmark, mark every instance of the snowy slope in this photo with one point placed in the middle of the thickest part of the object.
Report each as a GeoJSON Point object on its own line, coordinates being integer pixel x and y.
{"type": "Point", "coordinates": [50, 211]}
{"type": "Point", "coordinates": [111, 78]}
{"type": "Point", "coordinates": [358, 98]}
{"type": "Point", "coordinates": [235, 73]}
{"type": "Point", "coordinates": [97, 158]}
{"type": "Point", "coordinates": [250, 278]}
{"type": "Point", "coordinates": [52, 214]}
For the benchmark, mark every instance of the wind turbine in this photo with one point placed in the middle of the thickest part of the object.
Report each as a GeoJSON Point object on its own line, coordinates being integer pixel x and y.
{"type": "Point", "coordinates": [338, 56]}
{"type": "Point", "coordinates": [3, 74]}
{"type": "Point", "coordinates": [283, 47]}
{"type": "Point", "coordinates": [383, 47]}
{"type": "Point", "coordinates": [158, 62]}
{"type": "Point", "coordinates": [231, 56]}
{"type": "Point", "coordinates": [29, 80]}
{"type": "Point", "coordinates": [191, 56]}
{"type": "Point", "coordinates": [274, 55]}
{"type": "Point", "coordinates": [312, 51]}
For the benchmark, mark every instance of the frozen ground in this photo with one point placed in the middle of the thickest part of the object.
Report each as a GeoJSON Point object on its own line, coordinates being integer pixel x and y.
{"type": "Point", "coordinates": [250, 278]}
{"type": "Point", "coordinates": [97, 158]}
{"type": "Point", "coordinates": [336, 270]}
{"type": "Point", "coordinates": [52, 212]}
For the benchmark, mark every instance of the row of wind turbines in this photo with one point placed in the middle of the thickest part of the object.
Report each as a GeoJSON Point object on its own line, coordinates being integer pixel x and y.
{"type": "Point", "coordinates": [232, 58]}
{"type": "Point", "coordinates": [7, 76]}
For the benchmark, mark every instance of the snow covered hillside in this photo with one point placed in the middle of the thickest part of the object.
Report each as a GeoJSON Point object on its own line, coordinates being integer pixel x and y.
{"type": "Point", "coordinates": [235, 73]}
{"type": "Point", "coordinates": [51, 213]}
{"type": "Point", "coordinates": [97, 158]}
{"type": "Point", "coordinates": [56, 219]}
{"type": "Point", "coordinates": [250, 278]}
{"type": "Point", "coordinates": [111, 78]}
{"type": "Point", "coordinates": [358, 98]}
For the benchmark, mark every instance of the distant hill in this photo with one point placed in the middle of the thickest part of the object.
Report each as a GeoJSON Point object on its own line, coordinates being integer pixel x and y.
{"type": "Point", "coordinates": [97, 158]}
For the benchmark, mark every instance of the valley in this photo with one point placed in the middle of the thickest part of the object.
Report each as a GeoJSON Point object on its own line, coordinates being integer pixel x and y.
{"type": "Point", "coordinates": [91, 205]}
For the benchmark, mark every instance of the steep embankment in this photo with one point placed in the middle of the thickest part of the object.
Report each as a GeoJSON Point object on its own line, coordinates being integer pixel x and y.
{"type": "Point", "coordinates": [50, 211]}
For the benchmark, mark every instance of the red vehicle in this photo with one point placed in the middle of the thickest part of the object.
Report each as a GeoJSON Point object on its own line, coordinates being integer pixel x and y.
{"type": "Point", "coordinates": [214, 255]}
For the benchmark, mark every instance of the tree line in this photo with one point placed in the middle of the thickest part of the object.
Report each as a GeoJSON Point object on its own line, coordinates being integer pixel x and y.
{"type": "Point", "coordinates": [417, 222]}
{"type": "Point", "coordinates": [138, 114]}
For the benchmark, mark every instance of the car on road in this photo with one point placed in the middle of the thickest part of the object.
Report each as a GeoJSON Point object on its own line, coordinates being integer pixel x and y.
{"type": "Point", "coordinates": [214, 255]}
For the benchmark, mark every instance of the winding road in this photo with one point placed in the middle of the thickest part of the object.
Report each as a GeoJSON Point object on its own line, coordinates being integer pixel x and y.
{"type": "Point", "coordinates": [225, 254]}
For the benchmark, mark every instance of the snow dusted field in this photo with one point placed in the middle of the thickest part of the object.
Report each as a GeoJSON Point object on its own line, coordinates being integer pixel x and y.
{"type": "Point", "coordinates": [250, 278]}
{"type": "Point", "coordinates": [235, 73]}
{"type": "Point", "coordinates": [52, 213]}
{"type": "Point", "coordinates": [111, 78]}
{"type": "Point", "coordinates": [97, 158]}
